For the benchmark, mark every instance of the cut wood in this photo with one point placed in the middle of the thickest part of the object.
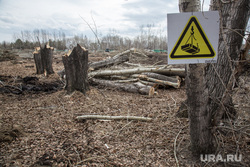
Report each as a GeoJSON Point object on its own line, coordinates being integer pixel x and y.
{"type": "Point", "coordinates": [160, 70]}
{"type": "Point", "coordinates": [127, 80]}
{"type": "Point", "coordinates": [174, 79]}
{"type": "Point", "coordinates": [161, 82]}
{"type": "Point", "coordinates": [85, 117]}
{"type": "Point", "coordinates": [148, 83]}
{"type": "Point", "coordinates": [117, 59]}
{"type": "Point", "coordinates": [76, 70]}
{"type": "Point", "coordinates": [136, 87]}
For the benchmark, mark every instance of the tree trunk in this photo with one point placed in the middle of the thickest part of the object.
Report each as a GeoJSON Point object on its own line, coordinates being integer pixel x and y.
{"type": "Point", "coordinates": [221, 76]}
{"type": "Point", "coordinates": [47, 59]}
{"type": "Point", "coordinates": [76, 70]}
{"type": "Point", "coordinates": [209, 86]}
{"type": "Point", "coordinates": [197, 98]}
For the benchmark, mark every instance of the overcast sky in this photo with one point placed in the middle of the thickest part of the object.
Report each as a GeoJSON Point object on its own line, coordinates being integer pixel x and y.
{"type": "Point", "coordinates": [125, 16]}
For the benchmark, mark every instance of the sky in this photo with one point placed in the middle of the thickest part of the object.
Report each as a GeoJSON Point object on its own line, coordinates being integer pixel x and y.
{"type": "Point", "coordinates": [123, 16]}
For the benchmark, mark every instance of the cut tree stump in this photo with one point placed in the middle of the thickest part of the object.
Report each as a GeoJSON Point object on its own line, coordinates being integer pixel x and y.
{"type": "Point", "coordinates": [76, 70]}
{"type": "Point", "coordinates": [43, 58]}
{"type": "Point", "coordinates": [47, 59]}
{"type": "Point", "coordinates": [38, 61]}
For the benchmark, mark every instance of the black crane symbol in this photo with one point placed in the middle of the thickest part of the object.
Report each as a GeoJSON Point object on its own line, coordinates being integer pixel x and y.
{"type": "Point", "coordinates": [189, 47]}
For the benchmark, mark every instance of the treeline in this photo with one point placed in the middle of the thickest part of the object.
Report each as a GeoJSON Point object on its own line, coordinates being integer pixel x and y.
{"type": "Point", "coordinates": [148, 39]}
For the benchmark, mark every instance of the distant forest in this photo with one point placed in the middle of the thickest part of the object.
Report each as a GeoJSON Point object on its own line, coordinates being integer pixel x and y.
{"type": "Point", "coordinates": [148, 39]}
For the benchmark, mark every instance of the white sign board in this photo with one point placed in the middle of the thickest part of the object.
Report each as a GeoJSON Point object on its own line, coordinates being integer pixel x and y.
{"type": "Point", "coordinates": [193, 37]}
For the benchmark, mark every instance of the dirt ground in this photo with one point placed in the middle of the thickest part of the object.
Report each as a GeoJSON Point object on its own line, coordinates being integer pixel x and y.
{"type": "Point", "coordinates": [39, 126]}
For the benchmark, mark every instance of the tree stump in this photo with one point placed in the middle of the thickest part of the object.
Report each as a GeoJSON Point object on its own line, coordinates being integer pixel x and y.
{"type": "Point", "coordinates": [43, 59]}
{"type": "Point", "coordinates": [47, 58]}
{"type": "Point", "coordinates": [76, 70]}
{"type": "Point", "coordinates": [38, 61]}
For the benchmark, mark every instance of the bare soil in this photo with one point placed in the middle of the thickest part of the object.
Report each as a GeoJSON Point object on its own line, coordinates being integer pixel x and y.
{"type": "Point", "coordinates": [39, 126]}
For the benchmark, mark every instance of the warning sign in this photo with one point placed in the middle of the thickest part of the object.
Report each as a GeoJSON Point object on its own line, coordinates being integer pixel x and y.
{"type": "Point", "coordinates": [193, 44]}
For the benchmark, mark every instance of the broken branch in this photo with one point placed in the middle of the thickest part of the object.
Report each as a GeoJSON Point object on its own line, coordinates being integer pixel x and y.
{"type": "Point", "coordinates": [85, 117]}
{"type": "Point", "coordinates": [117, 59]}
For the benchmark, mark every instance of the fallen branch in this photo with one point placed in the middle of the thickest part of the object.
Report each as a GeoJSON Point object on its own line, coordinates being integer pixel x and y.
{"type": "Point", "coordinates": [117, 59]}
{"type": "Point", "coordinates": [132, 64]}
{"type": "Point", "coordinates": [175, 150]}
{"type": "Point", "coordinates": [139, 54]}
{"type": "Point", "coordinates": [85, 117]}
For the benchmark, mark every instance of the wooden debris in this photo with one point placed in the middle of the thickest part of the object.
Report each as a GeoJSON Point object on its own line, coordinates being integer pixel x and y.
{"type": "Point", "coordinates": [159, 79]}
{"type": "Point", "coordinates": [159, 70]}
{"type": "Point", "coordinates": [117, 59]}
{"type": "Point", "coordinates": [136, 87]}
{"type": "Point", "coordinates": [103, 117]}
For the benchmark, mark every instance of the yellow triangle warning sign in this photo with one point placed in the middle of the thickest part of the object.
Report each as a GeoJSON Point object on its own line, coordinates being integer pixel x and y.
{"type": "Point", "coordinates": [192, 43]}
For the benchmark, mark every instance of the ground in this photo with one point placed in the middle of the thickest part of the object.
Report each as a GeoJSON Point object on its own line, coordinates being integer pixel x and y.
{"type": "Point", "coordinates": [39, 126]}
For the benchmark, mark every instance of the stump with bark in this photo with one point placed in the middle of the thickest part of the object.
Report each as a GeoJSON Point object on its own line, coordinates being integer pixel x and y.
{"type": "Point", "coordinates": [38, 61]}
{"type": "Point", "coordinates": [76, 70]}
{"type": "Point", "coordinates": [43, 59]}
{"type": "Point", "coordinates": [47, 58]}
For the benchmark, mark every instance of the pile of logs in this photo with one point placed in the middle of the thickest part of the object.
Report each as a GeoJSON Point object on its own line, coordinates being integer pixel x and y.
{"type": "Point", "coordinates": [133, 77]}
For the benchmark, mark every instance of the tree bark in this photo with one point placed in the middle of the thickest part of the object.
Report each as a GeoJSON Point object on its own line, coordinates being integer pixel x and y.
{"type": "Point", "coordinates": [76, 70]}
{"type": "Point", "coordinates": [221, 76]}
